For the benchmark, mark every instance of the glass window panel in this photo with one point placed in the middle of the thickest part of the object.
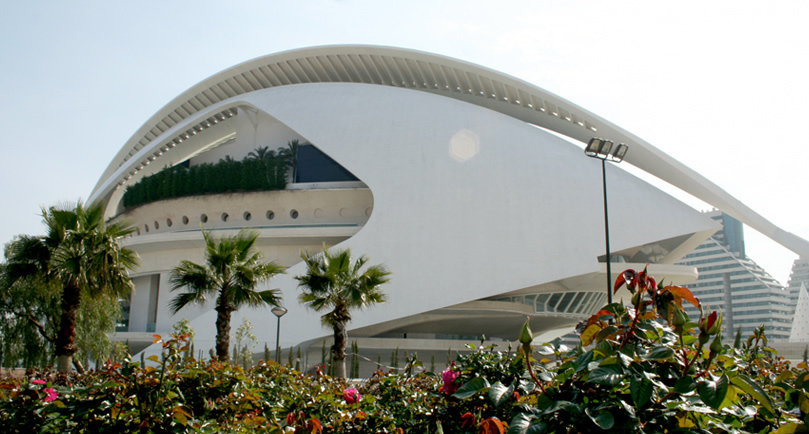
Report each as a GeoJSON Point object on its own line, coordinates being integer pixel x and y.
{"type": "Point", "coordinates": [566, 299]}
{"type": "Point", "coordinates": [554, 300]}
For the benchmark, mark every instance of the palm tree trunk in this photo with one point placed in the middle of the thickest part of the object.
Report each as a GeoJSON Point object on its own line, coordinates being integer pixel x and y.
{"type": "Point", "coordinates": [223, 332]}
{"type": "Point", "coordinates": [66, 336]}
{"type": "Point", "coordinates": [338, 350]}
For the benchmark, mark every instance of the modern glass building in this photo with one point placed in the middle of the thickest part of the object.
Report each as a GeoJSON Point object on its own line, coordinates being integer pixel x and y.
{"type": "Point", "coordinates": [735, 285]}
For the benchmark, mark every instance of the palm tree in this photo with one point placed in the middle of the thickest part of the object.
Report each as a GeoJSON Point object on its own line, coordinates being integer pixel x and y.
{"type": "Point", "coordinates": [269, 161]}
{"type": "Point", "coordinates": [232, 271]}
{"type": "Point", "coordinates": [290, 155]}
{"type": "Point", "coordinates": [81, 255]}
{"type": "Point", "coordinates": [333, 282]}
{"type": "Point", "coordinates": [261, 153]}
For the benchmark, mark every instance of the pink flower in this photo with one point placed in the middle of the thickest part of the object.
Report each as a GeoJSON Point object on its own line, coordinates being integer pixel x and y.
{"type": "Point", "coordinates": [51, 394]}
{"type": "Point", "coordinates": [351, 395]}
{"type": "Point", "coordinates": [449, 377]}
{"type": "Point", "coordinates": [37, 382]}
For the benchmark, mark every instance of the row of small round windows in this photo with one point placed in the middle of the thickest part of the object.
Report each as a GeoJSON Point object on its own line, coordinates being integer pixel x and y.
{"type": "Point", "coordinates": [203, 218]}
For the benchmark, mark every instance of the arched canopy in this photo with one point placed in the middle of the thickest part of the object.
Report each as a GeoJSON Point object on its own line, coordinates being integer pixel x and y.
{"type": "Point", "coordinates": [207, 104]}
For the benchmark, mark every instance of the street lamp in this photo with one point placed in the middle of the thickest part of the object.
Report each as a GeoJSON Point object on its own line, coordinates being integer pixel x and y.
{"type": "Point", "coordinates": [603, 150]}
{"type": "Point", "coordinates": [278, 311]}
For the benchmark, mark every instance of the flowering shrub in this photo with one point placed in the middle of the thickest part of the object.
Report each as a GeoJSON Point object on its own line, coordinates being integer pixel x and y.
{"type": "Point", "coordinates": [643, 368]}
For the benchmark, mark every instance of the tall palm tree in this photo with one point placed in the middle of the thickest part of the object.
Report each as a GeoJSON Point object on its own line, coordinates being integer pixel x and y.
{"type": "Point", "coordinates": [81, 255]}
{"type": "Point", "coordinates": [333, 282]}
{"type": "Point", "coordinates": [232, 271]}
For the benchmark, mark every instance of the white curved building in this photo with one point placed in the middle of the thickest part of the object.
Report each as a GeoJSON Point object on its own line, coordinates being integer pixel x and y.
{"type": "Point", "coordinates": [465, 190]}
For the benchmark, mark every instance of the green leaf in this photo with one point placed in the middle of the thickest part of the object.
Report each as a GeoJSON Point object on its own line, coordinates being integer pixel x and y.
{"type": "Point", "coordinates": [582, 361]}
{"type": "Point", "coordinates": [712, 392]}
{"type": "Point", "coordinates": [499, 393]}
{"type": "Point", "coordinates": [685, 385]}
{"type": "Point", "coordinates": [659, 353]}
{"type": "Point", "coordinates": [519, 424]}
{"type": "Point", "coordinates": [471, 388]}
{"type": "Point", "coordinates": [602, 418]}
{"type": "Point", "coordinates": [641, 390]}
{"type": "Point", "coordinates": [608, 375]}
{"type": "Point", "coordinates": [606, 332]}
{"type": "Point", "coordinates": [754, 390]}
{"type": "Point", "coordinates": [790, 428]}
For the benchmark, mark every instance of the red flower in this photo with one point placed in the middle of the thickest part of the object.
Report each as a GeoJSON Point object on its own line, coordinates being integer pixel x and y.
{"type": "Point", "coordinates": [51, 394]}
{"type": "Point", "coordinates": [449, 377]}
{"type": "Point", "coordinates": [37, 382]}
{"type": "Point", "coordinates": [351, 395]}
{"type": "Point", "coordinates": [711, 324]}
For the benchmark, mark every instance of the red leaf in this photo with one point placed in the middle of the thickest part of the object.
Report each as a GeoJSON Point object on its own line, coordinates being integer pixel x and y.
{"type": "Point", "coordinates": [627, 277]}
{"type": "Point", "coordinates": [492, 425]}
{"type": "Point", "coordinates": [683, 293]}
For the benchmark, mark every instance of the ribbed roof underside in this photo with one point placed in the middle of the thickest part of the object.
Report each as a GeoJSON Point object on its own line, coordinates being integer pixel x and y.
{"type": "Point", "coordinates": [396, 67]}
{"type": "Point", "coordinates": [368, 65]}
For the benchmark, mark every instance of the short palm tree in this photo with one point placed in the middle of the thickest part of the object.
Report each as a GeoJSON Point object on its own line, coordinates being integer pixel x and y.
{"type": "Point", "coordinates": [261, 153]}
{"type": "Point", "coordinates": [81, 255]}
{"type": "Point", "coordinates": [290, 154]}
{"type": "Point", "coordinates": [333, 282]}
{"type": "Point", "coordinates": [232, 271]}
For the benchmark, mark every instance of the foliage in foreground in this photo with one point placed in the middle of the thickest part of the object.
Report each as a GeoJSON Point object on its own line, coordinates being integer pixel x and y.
{"type": "Point", "coordinates": [644, 368]}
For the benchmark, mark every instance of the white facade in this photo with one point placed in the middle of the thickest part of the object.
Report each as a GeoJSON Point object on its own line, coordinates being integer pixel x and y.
{"type": "Point", "coordinates": [483, 215]}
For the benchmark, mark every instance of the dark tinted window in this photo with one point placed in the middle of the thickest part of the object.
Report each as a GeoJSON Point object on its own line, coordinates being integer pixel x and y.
{"type": "Point", "coordinates": [315, 166]}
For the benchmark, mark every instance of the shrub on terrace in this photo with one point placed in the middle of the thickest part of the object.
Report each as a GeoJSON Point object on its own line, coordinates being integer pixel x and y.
{"type": "Point", "coordinates": [260, 171]}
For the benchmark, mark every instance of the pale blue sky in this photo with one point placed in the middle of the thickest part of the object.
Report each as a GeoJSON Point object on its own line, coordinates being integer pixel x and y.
{"type": "Point", "coordinates": [718, 85]}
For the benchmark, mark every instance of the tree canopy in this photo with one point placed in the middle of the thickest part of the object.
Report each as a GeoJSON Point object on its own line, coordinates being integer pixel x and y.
{"type": "Point", "coordinates": [232, 272]}
{"type": "Point", "coordinates": [336, 284]}
{"type": "Point", "coordinates": [79, 259]}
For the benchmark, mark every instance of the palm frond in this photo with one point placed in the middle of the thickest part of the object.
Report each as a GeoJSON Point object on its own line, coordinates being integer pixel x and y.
{"type": "Point", "coordinates": [185, 299]}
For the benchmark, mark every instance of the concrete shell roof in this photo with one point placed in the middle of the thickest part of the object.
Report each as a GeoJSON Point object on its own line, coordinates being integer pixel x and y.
{"type": "Point", "coordinates": [396, 67]}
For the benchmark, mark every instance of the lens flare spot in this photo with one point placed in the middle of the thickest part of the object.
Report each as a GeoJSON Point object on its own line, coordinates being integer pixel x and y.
{"type": "Point", "coordinates": [464, 145]}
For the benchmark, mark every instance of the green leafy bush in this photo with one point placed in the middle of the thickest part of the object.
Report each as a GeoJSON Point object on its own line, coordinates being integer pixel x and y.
{"type": "Point", "coordinates": [643, 368]}
{"type": "Point", "coordinates": [261, 172]}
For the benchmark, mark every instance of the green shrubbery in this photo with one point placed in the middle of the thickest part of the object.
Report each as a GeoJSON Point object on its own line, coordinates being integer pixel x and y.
{"type": "Point", "coordinates": [261, 171]}
{"type": "Point", "coordinates": [643, 368]}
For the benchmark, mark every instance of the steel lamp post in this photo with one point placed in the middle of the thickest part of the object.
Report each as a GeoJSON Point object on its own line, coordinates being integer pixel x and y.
{"type": "Point", "coordinates": [278, 311]}
{"type": "Point", "coordinates": [604, 151]}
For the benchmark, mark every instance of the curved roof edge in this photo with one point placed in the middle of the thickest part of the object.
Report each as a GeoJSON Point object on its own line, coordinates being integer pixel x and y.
{"type": "Point", "coordinates": [417, 70]}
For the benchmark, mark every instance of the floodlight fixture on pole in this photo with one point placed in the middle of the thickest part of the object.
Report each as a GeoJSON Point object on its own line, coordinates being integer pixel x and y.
{"type": "Point", "coordinates": [278, 311]}
{"type": "Point", "coordinates": [604, 151]}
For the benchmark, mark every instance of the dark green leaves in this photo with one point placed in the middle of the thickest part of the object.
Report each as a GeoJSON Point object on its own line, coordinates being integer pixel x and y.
{"type": "Point", "coordinates": [685, 385]}
{"type": "Point", "coordinates": [602, 418]}
{"type": "Point", "coordinates": [712, 392]}
{"type": "Point", "coordinates": [608, 375]}
{"type": "Point", "coordinates": [641, 389]}
{"type": "Point", "coordinates": [472, 387]}
{"type": "Point", "coordinates": [750, 386]}
{"type": "Point", "coordinates": [499, 393]}
{"type": "Point", "coordinates": [659, 353]}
